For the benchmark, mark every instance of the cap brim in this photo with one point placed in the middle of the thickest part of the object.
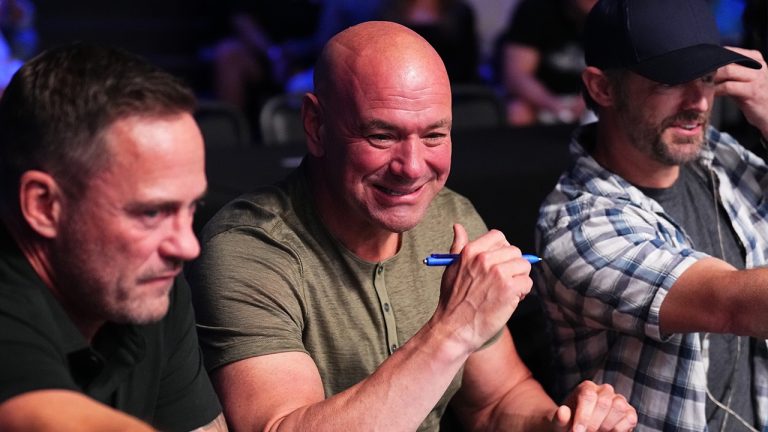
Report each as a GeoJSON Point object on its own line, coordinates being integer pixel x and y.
{"type": "Point", "coordinates": [687, 64]}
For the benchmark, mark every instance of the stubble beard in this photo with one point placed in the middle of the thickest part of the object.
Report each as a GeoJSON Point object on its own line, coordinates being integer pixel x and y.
{"type": "Point", "coordinates": [649, 138]}
{"type": "Point", "coordinates": [92, 293]}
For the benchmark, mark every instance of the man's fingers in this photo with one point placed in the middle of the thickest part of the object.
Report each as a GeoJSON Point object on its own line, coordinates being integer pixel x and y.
{"type": "Point", "coordinates": [603, 407]}
{"type": "Point", "coordinates": [627, 424]}
{"type": "Point", "coordinates": [753, 54]}
{"type": "Point", "coordinates": [738, 73]}
{"type": "Point", "coordinates": [621, 416]}
{"type": "Point", "coordinates": [584, 408]}
{"type": "Point", "coordinates": [734, 88]}
{"type": "Point", "coordinates": [600, 408]}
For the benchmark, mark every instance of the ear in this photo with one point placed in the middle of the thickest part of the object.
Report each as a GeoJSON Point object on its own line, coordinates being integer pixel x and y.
{"type": "Point", "coordinates": [40, 199]}
{"type": "Point", "coordinates": [598, 86]}
{"type": "Point", "coordinates": [312, 117]}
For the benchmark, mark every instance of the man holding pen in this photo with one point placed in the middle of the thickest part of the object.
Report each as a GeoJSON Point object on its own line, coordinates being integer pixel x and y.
{"type": "Point", "coordinates": [315, 309]}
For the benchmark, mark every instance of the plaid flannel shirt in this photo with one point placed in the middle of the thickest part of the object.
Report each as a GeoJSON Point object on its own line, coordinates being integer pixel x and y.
{"type": "Point", "coordinates": [610, 256]}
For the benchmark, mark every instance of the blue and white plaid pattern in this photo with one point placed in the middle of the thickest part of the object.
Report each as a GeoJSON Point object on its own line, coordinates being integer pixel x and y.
{"type": "Point", "coordinates": [610, 256]}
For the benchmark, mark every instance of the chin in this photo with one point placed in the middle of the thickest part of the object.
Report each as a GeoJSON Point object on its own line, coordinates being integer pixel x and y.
{"type": "Point", "coordinates": [399, 228]}
{"type": "Point", "coordinates": [400, 223]}
{"type": "Point", "coordinates": [144, 312]}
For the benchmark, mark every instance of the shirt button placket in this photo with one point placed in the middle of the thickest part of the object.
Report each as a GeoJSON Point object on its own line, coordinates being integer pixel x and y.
{"type": "Point", "coordinates": [386, 308]}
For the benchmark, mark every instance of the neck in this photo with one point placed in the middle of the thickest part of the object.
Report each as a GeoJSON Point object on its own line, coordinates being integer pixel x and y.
{"type": "Point", "coordinates": [374, 248]}
{"type": "Point", "coordinates": [368, 242]}
{"type": "Point", "coordinates": [37, 252]}
{"type": "Point", "coordinates": [615, 153]}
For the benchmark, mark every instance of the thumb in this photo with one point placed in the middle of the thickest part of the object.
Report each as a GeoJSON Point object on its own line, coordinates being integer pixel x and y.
{"type": "Point", "coordinates": [561, 418]}
{"type": "Point", "coordinates": [459, 238]}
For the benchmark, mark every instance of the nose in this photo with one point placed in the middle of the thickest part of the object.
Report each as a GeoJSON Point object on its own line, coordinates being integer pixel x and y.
{"type": "Point", "coordinates": [408, 159]}
{"type": "Point", "coordinates": [699, 95]}
{"type": "Point", "coordinates": [181, 242]}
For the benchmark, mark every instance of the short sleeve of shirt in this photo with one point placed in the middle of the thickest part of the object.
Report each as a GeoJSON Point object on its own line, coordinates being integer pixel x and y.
{"type": "Point", "coordinates": [247, 297]}
{"type": "Point", "coordinates": [186, 398]}
{"type": "Point", "coordinates": [29, 359]}
{"type": "Point", "coordinates": [609, 266]}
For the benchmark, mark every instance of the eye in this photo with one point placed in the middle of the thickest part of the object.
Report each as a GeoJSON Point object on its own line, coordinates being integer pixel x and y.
{"type": "Point", "coordinates": [380, 140]}
{"type": "Point", "coordinates": [435, 138]}
{"type": "Point", "coordinates": [378, 137]}
{"type": "Point", "coordinates": [150, 215]}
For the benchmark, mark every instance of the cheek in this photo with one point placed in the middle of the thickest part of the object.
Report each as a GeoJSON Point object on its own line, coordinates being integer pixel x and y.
{"type": "Point", "coordinates": [359, 165]}
{"type": "Point", "coordinates": [439, 159]}
{"type": "Point", "coordinates": [129, 249]}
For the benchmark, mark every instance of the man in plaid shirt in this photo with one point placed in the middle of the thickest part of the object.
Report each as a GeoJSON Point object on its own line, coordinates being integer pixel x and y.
{"type": "Point", "coordinates": [653, 240]}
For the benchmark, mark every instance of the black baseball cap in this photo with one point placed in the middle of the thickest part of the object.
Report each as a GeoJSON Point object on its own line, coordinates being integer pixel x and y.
{"type": "Point", "coordinates": [667, 41]}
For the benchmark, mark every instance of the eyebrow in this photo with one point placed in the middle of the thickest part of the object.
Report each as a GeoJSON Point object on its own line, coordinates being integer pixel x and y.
{"type": "Point", "coordinates": [166, 204]}
{"type": "Point", "coordinates": [380, 124]}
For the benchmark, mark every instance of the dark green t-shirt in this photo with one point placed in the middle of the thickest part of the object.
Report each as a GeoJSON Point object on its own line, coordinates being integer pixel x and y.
{"type": "Point", "coordinates": [272, 279]}
{"type": "Point", "coordinates": [153, 372]}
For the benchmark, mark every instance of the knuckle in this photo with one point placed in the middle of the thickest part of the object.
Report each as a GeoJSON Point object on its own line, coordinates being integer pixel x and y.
{"type": "Point", "coordinates": [498, 234]}
{"type": "Point", "coordinates": [604, 403]}
{"type": "Point", "coordinates": [497, 273]}
{"type": "Point", "coordinates": [620, 405]}
{"type": "Point", "coordinates": [469, 249]}
{"type": "Point", "coordinates": [588, 395]}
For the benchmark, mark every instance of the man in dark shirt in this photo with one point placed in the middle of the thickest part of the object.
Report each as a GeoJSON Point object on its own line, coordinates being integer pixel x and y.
{"type": "Point", "coordinates": [101, 166]}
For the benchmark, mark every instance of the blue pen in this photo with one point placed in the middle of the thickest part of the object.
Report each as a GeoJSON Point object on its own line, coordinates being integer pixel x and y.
{"type": "Point", "coordinates": [447, 259]}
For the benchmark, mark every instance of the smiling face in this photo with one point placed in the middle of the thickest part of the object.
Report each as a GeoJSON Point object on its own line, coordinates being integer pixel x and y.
{"type": "Point", "coordinates": [666, 123]}
{"type": "Point", "coordinates": [385, 136]}
{"type": "Point", "coordinates": [392, 150]}
{"type": "Point", "coordinates": [123, 241]}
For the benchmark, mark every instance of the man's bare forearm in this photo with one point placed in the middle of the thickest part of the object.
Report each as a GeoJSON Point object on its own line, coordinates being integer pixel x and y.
{"type": "Point", "coordinates": [409, 384]}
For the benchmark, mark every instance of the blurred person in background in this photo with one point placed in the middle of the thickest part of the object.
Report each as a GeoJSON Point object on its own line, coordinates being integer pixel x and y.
{"type": "Point", "coordinates": [17, 24]}
{"type": "Point", "coordinates": [18, 37]}
{"type": "Point", "coordinates": [246, 71]}
{"type": "Point", "coordinates": [449, 26]}
{"type": "Point", "coordinates": [274, 45]}
{"type": "Point", "coordinates": [540, 59]}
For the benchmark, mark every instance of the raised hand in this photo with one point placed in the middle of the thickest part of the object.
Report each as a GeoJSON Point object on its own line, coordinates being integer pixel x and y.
{"type": "Point", "coordinates": [748, 87]}
{"type": "Point", "coordinates": [480, 291]}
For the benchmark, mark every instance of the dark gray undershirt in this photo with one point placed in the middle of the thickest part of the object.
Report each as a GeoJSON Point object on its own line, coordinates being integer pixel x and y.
{"type": "Point", "coordinates": [691, 203]}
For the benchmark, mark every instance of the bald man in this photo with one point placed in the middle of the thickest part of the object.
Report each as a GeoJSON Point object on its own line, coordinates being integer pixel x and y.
{"type": "Point", "coordinates": [315, 311]}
